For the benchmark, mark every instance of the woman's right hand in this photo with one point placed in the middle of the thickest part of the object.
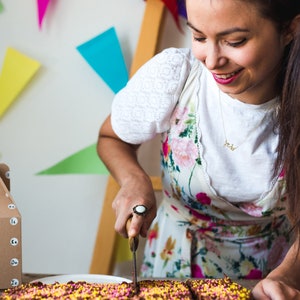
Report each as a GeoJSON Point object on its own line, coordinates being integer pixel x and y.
{"type": "Point", "coordinates": [135, 185]}
{"type": "Point", "coordinates": [136, 190]}
{"type": "Point", "coordinates": [269, 289]}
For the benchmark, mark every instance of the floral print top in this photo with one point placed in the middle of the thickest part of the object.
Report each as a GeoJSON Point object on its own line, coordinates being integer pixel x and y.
{"type": "Point", "coordinates": [198, 233]}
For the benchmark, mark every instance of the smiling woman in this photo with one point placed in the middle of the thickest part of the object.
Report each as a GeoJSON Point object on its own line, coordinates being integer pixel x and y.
{"type": "Point", "coordinates": [227, 87]}
{"type": "Point", "coordinates": [233, 48]}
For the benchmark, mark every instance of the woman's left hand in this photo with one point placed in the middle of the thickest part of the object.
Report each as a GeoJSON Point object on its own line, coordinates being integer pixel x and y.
{"type": "Point", "coordinates": [270, 289]}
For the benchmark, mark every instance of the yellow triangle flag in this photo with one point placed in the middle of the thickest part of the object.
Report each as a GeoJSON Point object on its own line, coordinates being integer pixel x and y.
{"type": "Point", "coordinates": [16, 73]}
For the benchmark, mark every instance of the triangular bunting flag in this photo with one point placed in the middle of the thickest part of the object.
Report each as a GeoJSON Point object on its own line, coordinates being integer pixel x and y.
{"type": "Point", "coordinates": [85, 161]}
{"type": "Point", "coordinates": [172, 6]}
{"type": "Point", "coordinates": [181, 8]}
{"type": "Point", "coordinates": [1, 7]}
{"type": "Point", "coordinates": [42, 7]}
{"type": "Point", "coordinates": [104, 55]}
{"type": "Point", "coordinates": [17, 71]}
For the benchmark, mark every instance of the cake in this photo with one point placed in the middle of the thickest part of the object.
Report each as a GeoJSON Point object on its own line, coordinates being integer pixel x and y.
{"type": "Point", "coordinates": [217, 289]}
{"type": "Point", "coordinates": [70, 290]}
{"type": "Point", "coordinates": [148, 289]}
{"type": "Point", "coordinates": [163, 289]}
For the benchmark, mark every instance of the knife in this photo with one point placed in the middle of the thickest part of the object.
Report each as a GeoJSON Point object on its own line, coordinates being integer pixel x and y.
{"type": "Point", "coordinates": [133, 245]}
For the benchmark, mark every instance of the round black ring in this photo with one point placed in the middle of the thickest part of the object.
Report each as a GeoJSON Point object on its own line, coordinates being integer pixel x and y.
{"type": "Point", "coordinates": [140, 210]}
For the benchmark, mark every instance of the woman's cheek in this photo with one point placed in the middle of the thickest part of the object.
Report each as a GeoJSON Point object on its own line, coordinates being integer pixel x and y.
{"type": "Point", "coordinates": [198, 51]}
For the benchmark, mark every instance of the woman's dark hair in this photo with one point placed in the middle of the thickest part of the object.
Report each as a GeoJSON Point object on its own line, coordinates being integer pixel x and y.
{"type": "Point", "coordinates": [289, 125]}
{"type": "Point", "coordinates": [282, 13]}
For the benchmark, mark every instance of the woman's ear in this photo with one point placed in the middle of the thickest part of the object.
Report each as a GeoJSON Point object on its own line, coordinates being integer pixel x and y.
{"type": "Point", "coordinates": [292, 30]}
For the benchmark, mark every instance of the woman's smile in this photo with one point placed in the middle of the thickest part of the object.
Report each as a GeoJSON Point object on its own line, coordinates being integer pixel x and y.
{"type": "Point", "coordinates": [226, 78]}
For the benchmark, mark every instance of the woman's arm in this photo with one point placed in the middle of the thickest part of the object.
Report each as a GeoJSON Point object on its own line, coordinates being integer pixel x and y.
{"type": "Point", "coordinates": [136, 188]}
{"type": "Point", "coordinates": [282, 283]}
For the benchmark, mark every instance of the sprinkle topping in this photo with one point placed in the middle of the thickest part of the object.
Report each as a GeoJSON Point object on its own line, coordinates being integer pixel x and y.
{"type": "Point", "coordinates": [222, 289]}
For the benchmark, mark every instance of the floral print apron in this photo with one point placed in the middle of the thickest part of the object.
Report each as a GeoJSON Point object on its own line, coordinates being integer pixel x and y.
{"type": "Point", "coordinates": [197, 233]}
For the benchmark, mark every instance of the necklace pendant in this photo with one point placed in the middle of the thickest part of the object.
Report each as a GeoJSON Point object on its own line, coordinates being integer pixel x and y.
{"type": "Point", "coordinates": [229, 146]}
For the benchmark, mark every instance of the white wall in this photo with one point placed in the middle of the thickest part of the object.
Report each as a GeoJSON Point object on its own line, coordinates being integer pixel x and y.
{"type": "Point", "coordinates": [59, 113]}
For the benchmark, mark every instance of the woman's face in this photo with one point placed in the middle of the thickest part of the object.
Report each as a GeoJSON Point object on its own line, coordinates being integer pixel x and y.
{"type": "Point", "coordinates": [241, 49]}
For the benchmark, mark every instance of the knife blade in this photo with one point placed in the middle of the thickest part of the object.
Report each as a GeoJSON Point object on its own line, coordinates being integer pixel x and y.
{"type": "Point", "coordinates": [133, 245]}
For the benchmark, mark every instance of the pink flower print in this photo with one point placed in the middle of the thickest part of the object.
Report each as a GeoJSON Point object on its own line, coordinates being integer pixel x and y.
{"type": "Point", "coordinates": [174, 208]}
{"type": "Point", "coordinates": [166, 147]}
{"type": "Point", "coordinates": [251, 209]}
{"type": "Point", "coordinates": [199, 216]}
{"type": "Point", "coordinates": [167, 193]}
{"type": "Point", "coordinates": [185, 152]}
{"type": "Point", "coordinates": [212, 247]}
{"type": "Point", "coordinates": [196, 271]}
{"type": "Point", "coordinates": [203, 199]}
{"type": "Point", "coordinates": [180, 114]}
{"type": "Point", "coordinates": [254, 274]}
{"type": "Point", "coordinates": [179, 118]}
{"type": "Point", "coordinates": [153, 234]}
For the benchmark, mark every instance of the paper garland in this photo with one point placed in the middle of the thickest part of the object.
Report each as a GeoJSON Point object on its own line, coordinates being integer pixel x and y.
{"type": "Point", "coordinates": [18, 69]}
{"type": "Point", "coordinates": [173, 8]}
{"type": "Point", "coordinates": [42, 6]}
{"type": "Point", "coordinates": [103, 53]}
{"type": "Point", "coordinates": [177, 8]}
{"type": "Point", "coordinates": [1, 7]}
{"type": "Point", "coordinates": [181, 8]}
{"type": "Point", "coordinates": [85, 161]}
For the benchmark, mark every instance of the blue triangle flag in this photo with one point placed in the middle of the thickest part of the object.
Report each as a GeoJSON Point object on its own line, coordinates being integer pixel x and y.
{"type": "Point", "coordinates": [104, 55]}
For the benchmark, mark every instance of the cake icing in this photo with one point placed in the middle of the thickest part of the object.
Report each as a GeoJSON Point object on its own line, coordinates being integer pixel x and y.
{"type": "Point", "coordinates": [222, 289]}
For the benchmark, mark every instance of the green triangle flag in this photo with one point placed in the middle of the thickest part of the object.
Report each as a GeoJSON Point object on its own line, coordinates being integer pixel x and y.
{"type": "Point", "coordinates": [85, 161]}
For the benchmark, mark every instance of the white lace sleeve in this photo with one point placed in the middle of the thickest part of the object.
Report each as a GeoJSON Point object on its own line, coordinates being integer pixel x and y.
{"type": "Point", "coordinates": [143, 108]}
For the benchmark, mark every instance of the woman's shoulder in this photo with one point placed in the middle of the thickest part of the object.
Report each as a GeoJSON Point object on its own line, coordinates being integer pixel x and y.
{"type": "Point", "coordinates": [176, 55]}
{"type": "Point", "coordinates": [179, 58]}
{"type": "Point", "coordinates": [169, 64]}
{"type": "Point", "coordinates": [144, 106]}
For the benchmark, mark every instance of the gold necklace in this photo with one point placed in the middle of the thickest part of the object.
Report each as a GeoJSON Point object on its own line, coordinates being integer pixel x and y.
{"type": "Point", "coordinates": [228, 144]}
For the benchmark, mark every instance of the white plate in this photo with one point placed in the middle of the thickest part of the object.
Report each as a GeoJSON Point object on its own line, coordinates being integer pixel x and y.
{"type": "Point", "coordinates": [90, 278]}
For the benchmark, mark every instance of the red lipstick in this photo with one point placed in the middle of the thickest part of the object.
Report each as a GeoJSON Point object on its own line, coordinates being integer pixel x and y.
{"type": "Point", "coordinates": [227, 80]}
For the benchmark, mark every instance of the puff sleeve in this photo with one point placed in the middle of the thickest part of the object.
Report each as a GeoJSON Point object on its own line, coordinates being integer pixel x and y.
{"type": "Point", "coordinates": [144, 106]}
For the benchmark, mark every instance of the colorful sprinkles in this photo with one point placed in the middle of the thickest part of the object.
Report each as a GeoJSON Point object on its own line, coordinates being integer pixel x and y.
{"type": "Point", "coordinates": [218, 289]}
{"type": "Point", "coordinates": [149, 289]}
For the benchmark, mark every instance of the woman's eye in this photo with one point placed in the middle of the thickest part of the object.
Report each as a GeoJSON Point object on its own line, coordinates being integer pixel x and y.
{"type": "Point", "coordinates": [236, 44]}
{"type": "Point", "coordinates": [199, 39]}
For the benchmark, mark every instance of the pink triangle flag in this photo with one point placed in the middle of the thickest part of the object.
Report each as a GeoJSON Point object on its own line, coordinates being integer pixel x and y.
{"type": "Point", "coordinates": [42, 7]}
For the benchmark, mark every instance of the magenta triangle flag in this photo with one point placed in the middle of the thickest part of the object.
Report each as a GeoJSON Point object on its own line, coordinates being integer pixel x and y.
{"type": "Point", "coordinates": [42, 7]}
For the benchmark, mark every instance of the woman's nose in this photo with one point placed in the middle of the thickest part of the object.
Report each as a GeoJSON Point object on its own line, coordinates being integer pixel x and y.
{"type": "Point", "coordinates": [214, 58]}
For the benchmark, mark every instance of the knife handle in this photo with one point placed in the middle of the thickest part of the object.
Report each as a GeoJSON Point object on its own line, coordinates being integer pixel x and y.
{"type": "Point", "coordinates": [133, 241]}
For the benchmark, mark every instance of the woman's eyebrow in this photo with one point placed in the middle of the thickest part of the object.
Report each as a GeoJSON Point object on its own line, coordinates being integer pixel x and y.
{"type": "Point", "coordinates": [225, 32]}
